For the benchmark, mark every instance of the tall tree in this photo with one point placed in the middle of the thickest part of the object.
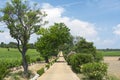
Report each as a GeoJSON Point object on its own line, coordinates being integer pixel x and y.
{"type": "Point", "coordinates": [22, 20]}
{"type": "Point", "coordinates": [52, 38]}
{"type": "Point", "coordinates": [82, 46]}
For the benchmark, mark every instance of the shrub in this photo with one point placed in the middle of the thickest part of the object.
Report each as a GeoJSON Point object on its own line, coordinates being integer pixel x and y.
{"type": "Point", "coordinates": [94, 71]}
{"type": "Point", "coordinates": [76, 60]}
{"type": "Point", "coordinates": [38, 59]}
{"type": "Point", "coordinates": [47, 66]}
{"type": "Point", "coordinates": [33, 60]}
{"type": "Point", "coordinates": [98, 57]}
{"type": "Point", "coordinates": [3, 71]}
{"type": "Point", "coordinates": [41, 71]}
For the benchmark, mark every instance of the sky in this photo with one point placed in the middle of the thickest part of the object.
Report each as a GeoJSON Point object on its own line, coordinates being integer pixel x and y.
{"type": "Point", "coordinates": [96, 20]}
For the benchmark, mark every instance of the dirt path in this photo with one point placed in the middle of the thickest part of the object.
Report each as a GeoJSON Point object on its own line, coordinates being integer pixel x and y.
{"type": "Point", "coordinates": [113, 66]}
{"type": "Point", "coordinates": [59, 71]}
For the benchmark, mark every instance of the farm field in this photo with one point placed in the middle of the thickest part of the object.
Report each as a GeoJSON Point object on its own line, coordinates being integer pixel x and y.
{"type": "Point", "coordinates": [14, 54]}
{"type": "Point", "coordinates": [110, 53]}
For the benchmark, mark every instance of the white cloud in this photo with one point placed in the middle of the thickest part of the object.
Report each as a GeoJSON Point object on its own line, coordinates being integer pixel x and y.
{"type": "Point", "coordinates": [5, 37]}
{"type": "Point", "coordinates": [55, 14]}
{"type": "Point", "coordinates": [105, 43]}
{"type": "Point", "coordinates": [117, 30]}
{"type": "Point", "coordinates": [78, 27]}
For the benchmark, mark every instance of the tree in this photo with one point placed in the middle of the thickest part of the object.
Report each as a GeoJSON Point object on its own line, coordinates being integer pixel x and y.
{"type": "Point", "coordinates": [82, 46]}
{"type": "Point", "coordinates": [22, 20]}
{"type": "Point", "coordinates": [12, 45]}
{"type": "Point", "coordinates": [51, 39]}
{"type": "Point", "coordinates": [3, 45]}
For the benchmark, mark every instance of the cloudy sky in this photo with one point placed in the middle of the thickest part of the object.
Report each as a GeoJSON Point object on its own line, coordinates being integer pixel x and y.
{"type": "Point", "coordinates": [96, 20]}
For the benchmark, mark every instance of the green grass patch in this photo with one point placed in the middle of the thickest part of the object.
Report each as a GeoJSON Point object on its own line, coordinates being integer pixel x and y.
{"type": "Point", "coordinates": [110, 53]}
{"type": "Point", "coordinates": [15, 54]}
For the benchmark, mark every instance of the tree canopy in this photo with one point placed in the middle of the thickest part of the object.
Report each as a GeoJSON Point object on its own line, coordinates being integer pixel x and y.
{"type": "Point", "coordinates": [52, 38]}
{"type": "Point", "coordinates": [82, 46]}
{"type": "Point", "coordinates": [22, 20]}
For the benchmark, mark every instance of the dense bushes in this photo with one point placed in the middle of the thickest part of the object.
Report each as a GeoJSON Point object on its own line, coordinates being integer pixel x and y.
{"type": "Point", "coordinates": [76, 60]}
{"type": "Point", "coordinates": [5, 65]}
{"type": "Point", "coordinates": [98, 57]}
{"type": "Point", "coordinates": [94, 71]}
{"type": "Point", "coordinates": [41, 71]}
{"type": "Point", "coordinates": [88, 64]}
{"type": "Point", "coordinates": [3, 70]}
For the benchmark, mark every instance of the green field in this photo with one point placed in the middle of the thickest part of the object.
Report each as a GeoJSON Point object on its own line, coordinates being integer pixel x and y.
{"type": "Point", "coordinates": [110, 53]}
{"type": "Point", "coordinates": [14, 54]}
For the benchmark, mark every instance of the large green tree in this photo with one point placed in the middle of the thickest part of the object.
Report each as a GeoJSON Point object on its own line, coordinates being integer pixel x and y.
{"type": "Point", "coordinates": [22, 20]}
{"type": "Point", "coordinates": [83, 46]}
{"type": "Point", "coordinates": [52, 39]}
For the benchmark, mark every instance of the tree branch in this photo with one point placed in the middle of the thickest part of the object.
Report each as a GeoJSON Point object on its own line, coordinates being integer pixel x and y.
{"type": "Point", "coordinates": [18, 45]}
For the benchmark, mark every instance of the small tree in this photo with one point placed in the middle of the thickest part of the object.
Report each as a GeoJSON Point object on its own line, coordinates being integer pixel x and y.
{"type": "Point", "coordinates": [22, 20]}
{"type": "Point", "coordinates": [52, 38]}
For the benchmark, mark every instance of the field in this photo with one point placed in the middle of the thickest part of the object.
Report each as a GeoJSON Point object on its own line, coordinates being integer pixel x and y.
{"type": "Point", "coordinates": [110, 53]}
{"type": "Point", "coordinates": [15, 54]}
{"type": "Point", "coordinates": [12, 58]}
{"type": "Point", "coordinates": [111, 58]}
{"type": "Point", "coordinates": [113, 66]}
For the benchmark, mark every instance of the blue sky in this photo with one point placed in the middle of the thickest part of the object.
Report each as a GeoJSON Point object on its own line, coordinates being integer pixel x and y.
{"type": "Point", "coordinates": [96, 20]}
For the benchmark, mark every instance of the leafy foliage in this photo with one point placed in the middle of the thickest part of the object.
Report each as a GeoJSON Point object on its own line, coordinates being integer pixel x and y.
{"type": "Point", "coordinates": [76, 60]}
{"type": "Point", "coordinates": [82, 46]}
{"type": "Point", "coordinates": [85, 47]}
{"type": "Point", "coordinates": [51, 39]}
{"type": "Point", "coordinates": [94, 71]}
{"type": "Point", "coordinates": [41, 71]}
{"type": "Point", "coordinates": [3, 71]}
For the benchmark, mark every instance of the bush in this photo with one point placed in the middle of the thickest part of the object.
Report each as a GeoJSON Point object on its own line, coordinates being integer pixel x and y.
{"type": "Point", "coordinates": [41, 71]}
{"type": "Point", "coordinates": [38, 59]}
{"type": "Point", "coordinates": [76, 60]}
{"type": "Point", "coordinates": [3, 71]}
{"type": "Point", "coordinates": [94, 71]}
{"type": "Point", "coordinates": [47, 66]}
{"type": "Point", "coordinates": [98, 57]}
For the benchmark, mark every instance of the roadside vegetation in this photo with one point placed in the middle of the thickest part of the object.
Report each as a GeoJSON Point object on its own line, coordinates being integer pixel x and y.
{"type": "Point", "coordinates": [87, 60]}
{"type": "Point", "coordinates": [23, 20]}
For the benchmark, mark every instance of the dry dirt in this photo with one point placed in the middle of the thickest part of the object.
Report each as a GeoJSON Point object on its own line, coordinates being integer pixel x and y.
{"type": "Point", "coordinates": [113, 66]}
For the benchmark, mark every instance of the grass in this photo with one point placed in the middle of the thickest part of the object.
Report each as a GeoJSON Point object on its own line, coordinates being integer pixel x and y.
{"type": "Point", "coordinates": [110, 53]}
{"type": "Point", "coordinates": [15, 54]}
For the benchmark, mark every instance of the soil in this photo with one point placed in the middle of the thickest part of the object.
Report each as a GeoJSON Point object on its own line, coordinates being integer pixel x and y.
{"type": "Point", "coordinates": [113, 66]}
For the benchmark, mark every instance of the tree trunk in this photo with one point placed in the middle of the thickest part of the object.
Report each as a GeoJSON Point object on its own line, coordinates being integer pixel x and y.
{"type": "Point", "coordinates": [24, 63]}
{"type": "Point", "coordinates": [46, 59]}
